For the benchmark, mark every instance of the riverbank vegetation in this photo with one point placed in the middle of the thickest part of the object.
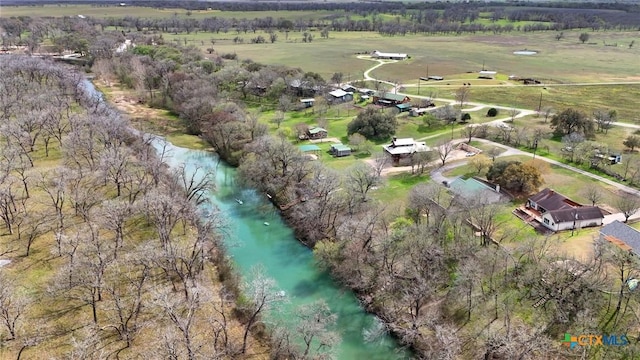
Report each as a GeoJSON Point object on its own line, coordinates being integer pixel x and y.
{"type": "Point", "coordinates": [443, 287]}
{"type": "Point", "coordinates": [110, 255]}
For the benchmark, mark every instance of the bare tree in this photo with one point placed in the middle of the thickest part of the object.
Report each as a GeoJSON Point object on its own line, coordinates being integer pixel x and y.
{"type": "Point", "coordinates": [316, 322]}
{"type": "Point", "coordinates": [593, 193]}
{"type": "Point", "coordinates": [462, 95]}
{"type": "Point", "coordinates": [444, 150]}
{"type": "Point", "coordinates": [469, 132]}
{"type": "Point", "coordinates": [183, 313]}
{"type": "Point", "coordinates": [628, 204]}
{"type": "Point", "coordinates": [361, 177]}
{"type": "Point", "coordinates": [13, 306]}
{"type": "Point", "coordinates": [262, 295]}
{"type": "Point", "coordinates": [604, 119]}
{"type": "Point", "coordinates": [125, 287]}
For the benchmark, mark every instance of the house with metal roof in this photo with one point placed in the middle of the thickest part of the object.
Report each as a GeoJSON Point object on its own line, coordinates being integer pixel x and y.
{"type": "Point", "coordinates": [340, 95]}
{"type": "Point", "coordinates": [622, 235]}
{"type": "Point", "coordinates": [557, 212]}
{"type": "Point", "coordinates": [316, 133]}
{"type": "Point", "coordinates": [386, 98]}
{"type": "Point", "coordinates": [404, 148]}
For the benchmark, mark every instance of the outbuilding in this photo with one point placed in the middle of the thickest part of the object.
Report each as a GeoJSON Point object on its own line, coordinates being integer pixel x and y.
{"type": "Point", "coordinates": [339, 150]}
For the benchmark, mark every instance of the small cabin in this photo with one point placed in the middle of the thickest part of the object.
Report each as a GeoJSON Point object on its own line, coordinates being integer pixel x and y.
{"type": "Point", "coordinates": [316, 133]}
{"type": "Point", "coordinates": [339, 150]}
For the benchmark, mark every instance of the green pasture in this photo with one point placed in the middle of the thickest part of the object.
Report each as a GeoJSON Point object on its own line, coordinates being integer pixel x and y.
{"type": "Point", "coordinates": [454, 58]}
{"type": "Point", "coordinates": [621, 97]}
{"type": "Point", "coordinates": [113, 11]}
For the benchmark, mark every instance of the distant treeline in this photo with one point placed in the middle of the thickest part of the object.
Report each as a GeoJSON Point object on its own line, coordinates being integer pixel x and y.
{"type": "Point", "coordinates": [425, 17]}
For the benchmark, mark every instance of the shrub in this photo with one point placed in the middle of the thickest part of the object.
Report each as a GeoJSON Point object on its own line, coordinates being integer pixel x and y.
{"type": "Point", "coordinates": [229, 56]}
{"type": "Point", "coordinates": [493, 112]}
{"type": "Point", "coordinates": [466, 117]}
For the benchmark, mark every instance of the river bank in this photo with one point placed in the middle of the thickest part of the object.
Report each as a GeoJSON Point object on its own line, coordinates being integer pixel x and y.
{"type": "Point", "coordinates": [261, 234]}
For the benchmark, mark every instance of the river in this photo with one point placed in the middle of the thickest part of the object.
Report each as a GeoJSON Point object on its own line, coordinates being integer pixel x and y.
{"type": "Point", "coordinates": [286, 260]}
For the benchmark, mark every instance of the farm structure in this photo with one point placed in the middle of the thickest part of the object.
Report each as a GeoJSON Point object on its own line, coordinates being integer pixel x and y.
{"type": "Point", "coordinates": [307, 103]}
{"type": "Point", "coordinates": [340, 150]}
{"type": "Point", "coordinates": [486, 74]}
{"type": "Point", "coordinates": [387, 99]}
{"type": "Point", "coordinates": [391, 56]}
{"type": "Point", "coordinates": [556, 212]}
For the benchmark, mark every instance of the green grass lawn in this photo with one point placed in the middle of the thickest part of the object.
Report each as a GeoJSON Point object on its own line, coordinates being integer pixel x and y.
{"type": "Point", "coordinates": [395, 190]}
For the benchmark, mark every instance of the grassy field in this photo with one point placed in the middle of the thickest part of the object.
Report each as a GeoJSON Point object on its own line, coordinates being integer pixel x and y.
{"type": "Point", "coordinates": [60, 10]}
{"type": "Point", "coordinates": [562, 61]}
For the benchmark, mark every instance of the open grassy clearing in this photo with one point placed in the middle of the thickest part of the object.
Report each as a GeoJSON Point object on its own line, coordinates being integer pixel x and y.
{"type": "Point", "coordinates": [564, 61]}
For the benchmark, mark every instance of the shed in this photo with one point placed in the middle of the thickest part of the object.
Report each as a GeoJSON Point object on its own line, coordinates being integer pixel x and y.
{"type": "Point", "coordinates": [339, 150]}
{"type": "Point", "coordinates": [308, 102]}
{"type": "Point", "coordinates": [486, 74]}
{"type": "Point", "coordinates": [404, 107]}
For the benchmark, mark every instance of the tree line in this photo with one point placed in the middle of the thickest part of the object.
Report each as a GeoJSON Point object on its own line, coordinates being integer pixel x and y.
{"type": "Point", "coordinates": [454, 19]}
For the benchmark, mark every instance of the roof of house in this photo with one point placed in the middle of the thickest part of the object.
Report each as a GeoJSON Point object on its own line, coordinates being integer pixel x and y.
{"type": "Point", "coordinates": [623, 232]}
{"type": "Point", "coordinates": [338, 93]}
{"type": "Point", "coordinates": [487, 72]}
{"type": "Point", "coordinates": [307, 100]}
{"type": "Point", "coordinates": [340, 147]}
{"type": "Point", "coordinates": [405, 146]}
{"type": "Point", "coordinates": [402, 142]}
{"type": "Point", "coordinates": [472, 187]}
{"type": "Point", "coordinates": [390, 96]}
{"type": "Point", "coordinates": [309, 147]}
{"type": "Point", "coordinates": [381, 54]}
{"type": "Point", "coordinates": [403, 106]}
{"type": "Point", "coordinates": [348, 88]}
{"type": "Point", "coordinates": [316, 130]}
{"type": "Point", "coordinates": [578, 213]}
{"type": "Point", "coordinates": [550, 200]}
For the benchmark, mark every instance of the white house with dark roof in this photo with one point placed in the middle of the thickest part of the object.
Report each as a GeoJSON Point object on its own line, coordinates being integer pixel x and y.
{"type": "Point", "coordinates": [556, 212]}
{"type": "Point", "coordinates": [622, 235]}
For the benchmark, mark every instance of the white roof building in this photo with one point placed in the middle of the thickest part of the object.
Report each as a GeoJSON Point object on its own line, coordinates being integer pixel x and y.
{"type": "Point", "coordinates": [381, 55]}
{"type": "Point", "coordinates": [338, 93]}
{"type": "Point", "coordinates": [405, 146]}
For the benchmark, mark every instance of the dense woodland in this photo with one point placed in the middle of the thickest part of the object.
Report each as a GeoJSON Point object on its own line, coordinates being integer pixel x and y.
{"type": "Point", "coordinates": [440, 289]}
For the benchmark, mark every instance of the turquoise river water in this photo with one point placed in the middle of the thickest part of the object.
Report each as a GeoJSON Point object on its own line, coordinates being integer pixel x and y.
{"type": "Point", "coordinates": [287, 261]}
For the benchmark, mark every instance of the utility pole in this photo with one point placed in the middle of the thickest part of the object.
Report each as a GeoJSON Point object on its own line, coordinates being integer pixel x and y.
{"type": "Point", "coordinates": [540, 104]}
